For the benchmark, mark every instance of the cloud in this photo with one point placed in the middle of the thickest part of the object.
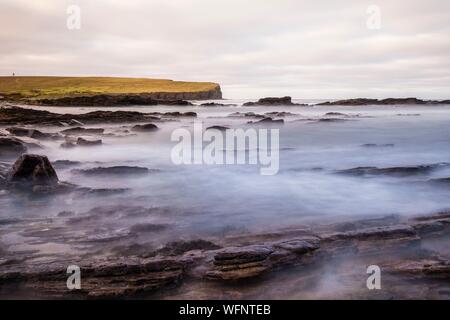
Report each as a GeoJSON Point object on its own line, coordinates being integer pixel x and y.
{"type": "Point", "coordinates": [307, 49]}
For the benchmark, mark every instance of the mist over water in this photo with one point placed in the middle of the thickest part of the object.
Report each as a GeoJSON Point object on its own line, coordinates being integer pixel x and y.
{"type": "Point", "coordinates": [197, 201]}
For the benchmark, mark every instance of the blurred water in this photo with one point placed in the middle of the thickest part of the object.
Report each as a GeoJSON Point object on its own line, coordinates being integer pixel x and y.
{"type": "Point", "coordinates": [214, 200]}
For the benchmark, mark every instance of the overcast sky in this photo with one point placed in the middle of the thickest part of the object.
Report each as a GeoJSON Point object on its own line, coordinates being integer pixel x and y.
{"type": "Point", "coordinates": [253, 48]}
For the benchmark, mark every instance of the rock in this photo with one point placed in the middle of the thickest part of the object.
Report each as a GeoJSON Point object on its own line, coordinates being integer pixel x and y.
{"type": "Point", "coordinates": [149, 127]}
{"type": "Point", "coordinates": [220, 128]}
{"type": "Point", "coordinates": [284, 101]}
{"type": "Point", "coordinates": [299, 246]}
{"type": "Point", "coordinates": [374, 145]}
{"type": "Point", "coordinates": [215, 104]}
{"type": "Point", "coordinates": [334, 114]}
{"type": "Point", "coordinates": [148, 227]}
{"type": "Point", "coordinates": [381, 233]}
{"type": "Point", "coordinates": [32, 133]}
{"type": "Point", "coordinates": [117, 170]}
{"type": "Point", "coordinates": [331, 120]}
{"type": "Point", "coordinates": [180, 247]}
{"type": "Point", "coordinates": [13, 115]}
{"type": "Point", "coordinates": [235, 263]}
{"type": "Point", "coordinates": [88, 143]}
{"type": "Point", "coordinates": [180, 114]}
{"type": "Point", "coordinates": [63, 164]}
{"type": "Point", "coordinates": [32, 170]}
{"type": "Point", "coordinates": [242, 254]}
{"type": "Point", "coordinates": [83, 131]}
{"type": "Point", "coordinates": [10, 147]}
{"type": "Point", "coordinates": [393, 171]}
{"type": "Point", "coordinates": [267, 121]}
{"type": "Point", "coordinates": [280, 114]}
{"type": "Point", "coordinates": [68, 145]}
{"type": "Point", "coordinates": [246, 115]}
{"type": "Point", "coordinates": [388, 101]}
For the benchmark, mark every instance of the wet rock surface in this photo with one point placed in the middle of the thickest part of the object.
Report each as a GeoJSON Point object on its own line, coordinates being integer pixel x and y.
{"type": "Point", "coordinates": [271, 101]}
{"type": "Point", "coordinates": [394, 171]}
{"type": "Point", "coordinates": [149, 127]}
{"type": "Point", "coordinates": [10, 147]}
{"type": "Point", "coordinates": [388, 101]}
{"type": "Point", "coordinates": [32, 170]}
{"type": "Point", "coordinates": [116, 170]}
{"type": "Point", "coordinates": [395, 246]}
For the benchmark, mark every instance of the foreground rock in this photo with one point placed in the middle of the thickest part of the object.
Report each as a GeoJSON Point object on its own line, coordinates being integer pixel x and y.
{"type": "Point", "coordinates": [83, 131]}
{"type": "Point", "coordinates": [31, 171]}
{"type": "Point", "coordinates": [15, 115]}
{"type": "Point", "coordinates": [149, 127]}
{"type": "Point", "coordinates": [267, 120]}
{"type": "Point", "coordinates": [394, 171]}
{"type": "Point", "coordinates": [31, 133]}
{"type": "Point", "coordinates": [284, 101]}
{"type": "Point", "coordinates": [10, 147]}
{"type": "Point", "coordinates": [396, 245]}
{"type": "Point", "coordinates": [388, 101]}
{"type": "Point", "coordinates": [88, 143]}
{"type": "Point", "coordinates": [117, 170]}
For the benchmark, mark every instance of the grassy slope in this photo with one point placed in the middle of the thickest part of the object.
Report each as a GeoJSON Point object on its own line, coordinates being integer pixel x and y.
{"type": "Point", "coordinates": [55, 87]}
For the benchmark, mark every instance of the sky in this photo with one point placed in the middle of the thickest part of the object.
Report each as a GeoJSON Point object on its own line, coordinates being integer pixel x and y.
{"type": "Point", "coordinates": [306, 49]}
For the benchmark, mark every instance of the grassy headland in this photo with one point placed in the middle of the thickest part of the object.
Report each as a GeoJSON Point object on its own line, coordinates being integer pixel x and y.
{"type": "Point", "coordinates": [30, 88]}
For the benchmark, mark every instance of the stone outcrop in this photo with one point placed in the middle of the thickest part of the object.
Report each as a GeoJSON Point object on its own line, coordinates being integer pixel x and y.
{"type": "Point", "coordinates": [117, 170]}
{"type": "Point", "coordinates": [388, 101]}
{"type": "Point", "coordinates": [154, 98]}
{"type": "Point", "coordinates": [32, 170]}
{"type": "Point", "coordinates": [393, 243]}
{"type": "Point", "coordinates": [394, 171]}
{"type": "Point", "coordinates": [10, 147]}
{"type": "Point", "coordinates": [283, 101]}
{"type": "Point", "coordinates": [148, 127]}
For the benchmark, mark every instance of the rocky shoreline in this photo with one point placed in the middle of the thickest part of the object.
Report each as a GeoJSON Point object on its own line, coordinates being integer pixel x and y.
{"type": "Point", "coordinates": [147, 99]}
{"type": "Point", "coordinates": [395, 244]}
{"type": "Point", "coordinates": [412, 252]}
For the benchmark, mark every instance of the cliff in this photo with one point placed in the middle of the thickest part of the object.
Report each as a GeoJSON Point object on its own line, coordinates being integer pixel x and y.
{"type": "Point", "coordinates": [104, 90]}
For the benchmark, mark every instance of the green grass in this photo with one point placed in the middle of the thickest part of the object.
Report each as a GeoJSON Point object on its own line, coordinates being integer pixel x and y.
{"type": "Point", "coordinates": [57, 87]}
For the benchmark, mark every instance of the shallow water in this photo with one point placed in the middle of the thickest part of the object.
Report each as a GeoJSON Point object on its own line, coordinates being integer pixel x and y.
{"type": "Point", "coordinates": [205, 200]}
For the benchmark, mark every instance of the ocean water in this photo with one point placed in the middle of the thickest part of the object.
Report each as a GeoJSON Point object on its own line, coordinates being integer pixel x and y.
{"type": "Point", "coordinates": [197, 201]}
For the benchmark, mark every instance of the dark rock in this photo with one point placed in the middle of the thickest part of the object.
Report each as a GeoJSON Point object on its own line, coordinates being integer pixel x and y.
{"type": "Point", "coordinates": [220, 128]}
{"type": "Point", "coordinates": [374, 145]}
{"type": "Point", "coordinates": [148, 227]}
{"type": "Point", "coordinates": [284, 101]}
{"type": "Point", "coordinates": [393, 171]}
{"type": "Point", "coordinates": [280, 114]}
{"type": "Point", "coordinates": [68, 145]}
{"type": "Point", "coordinates": [215, 104]}
{"type": "Point", "coordinates": [180, 114]}
{"type": "Point", "coordinates": [32, 133]}
{"type": "Point", "coordinates": [62, 164]}
{"type": "Point", "coordinates": [380, 233]}
{"type": "Point", "coordinates": [117, 170]}
{"type": "Point", "coordinates": [10, 147]}
{"type": "Point", "coordinates": [268, 121]}
{"type": "Point", "coordinates": [388, 101]}
{"type": "Point", "coordinates": [88, 143]}
{"type": "Point", "coordinates": [331, 120]}
{"type": "Point", "coordinates": [180, 247]}
{"type": "Point", "coordinates": [83, 131]}
{"type": "Point", "coordinates": [246, 115]}
{"type": "Point", "coordinates": [31, 170]}
{"type": "Point", "coordinates": [149, 127]}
